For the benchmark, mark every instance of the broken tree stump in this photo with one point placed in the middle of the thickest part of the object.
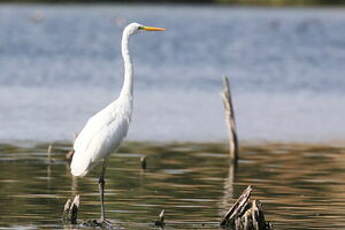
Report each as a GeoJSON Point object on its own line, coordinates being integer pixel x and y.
{"type": "Point", "coordinates": [70, 216]}
{"type": "Point", "coordinates": [70, 211]}
{"type": "Point", "coordinates": [143, 162]}
{"type": "Point", "coordinates": [160, 222]}
{"type": "Point", "coordinates": [230, 120]}
{"type": "Point", "coordinates": [245, 214]}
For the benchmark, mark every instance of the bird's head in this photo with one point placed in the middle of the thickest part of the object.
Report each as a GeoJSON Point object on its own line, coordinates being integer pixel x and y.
{"type": "Point", "coordinates": [136, 27]}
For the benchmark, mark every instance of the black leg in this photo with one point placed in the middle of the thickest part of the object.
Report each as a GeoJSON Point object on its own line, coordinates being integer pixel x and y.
{"type": "Point", "coordinates": [101, 183]}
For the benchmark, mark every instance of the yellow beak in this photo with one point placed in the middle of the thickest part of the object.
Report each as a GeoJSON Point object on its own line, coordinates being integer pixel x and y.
{"type": "Point", "coordinates": [150, 28]}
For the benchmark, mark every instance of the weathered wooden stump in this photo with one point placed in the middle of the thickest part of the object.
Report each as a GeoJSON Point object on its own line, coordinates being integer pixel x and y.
{"type": "Point", "coordinates": [70, 211]}
{"type": "Point", "coordinates": [143, 162]}
{"type": "Point", "coordinates": [70, 216]}
{"type": "Point", "coordinates": [245, 214]}
{"type": "Point", "coordinates": [160, 222]}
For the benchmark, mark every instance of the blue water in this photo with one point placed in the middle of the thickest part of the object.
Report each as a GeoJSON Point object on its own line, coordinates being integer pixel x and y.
{"type": "Point", "coordinates": [61, 64]}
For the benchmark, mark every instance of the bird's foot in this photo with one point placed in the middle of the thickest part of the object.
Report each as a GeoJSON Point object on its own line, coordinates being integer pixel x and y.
{"type": "Point", "coordinates": [106, 222]}
{"type": "Point", "coordinates": [100, 223]}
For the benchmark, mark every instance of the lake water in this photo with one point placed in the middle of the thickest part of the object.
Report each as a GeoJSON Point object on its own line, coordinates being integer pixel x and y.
{"type": "Point", "coordinates": [61, 64]}
{"type": "Point", "coordinates": [300, 186]}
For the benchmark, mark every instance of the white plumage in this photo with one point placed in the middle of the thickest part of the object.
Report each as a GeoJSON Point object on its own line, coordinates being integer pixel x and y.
{"type": "Point", "coordinates": [101, 135]}
{"type": "Point", "coordinates": [104, 132]}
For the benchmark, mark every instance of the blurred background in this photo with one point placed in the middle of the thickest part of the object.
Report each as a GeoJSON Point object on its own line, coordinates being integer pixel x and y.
{"type": "Point", "coordinates": [237, 2]}
{"type": "Point", "coordinates": [61, 63]}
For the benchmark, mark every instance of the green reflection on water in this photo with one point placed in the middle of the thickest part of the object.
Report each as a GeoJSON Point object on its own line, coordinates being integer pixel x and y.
{"type": "Point", "coordinates": [194, 183]}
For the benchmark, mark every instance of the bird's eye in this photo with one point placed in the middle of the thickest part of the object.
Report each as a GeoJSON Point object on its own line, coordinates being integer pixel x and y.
{"type": "Point", "coordinates": [140, 28]}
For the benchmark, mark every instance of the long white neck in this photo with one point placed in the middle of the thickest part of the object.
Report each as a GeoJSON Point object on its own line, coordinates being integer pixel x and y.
{"type": "Point", "coordinates": [127, 87]}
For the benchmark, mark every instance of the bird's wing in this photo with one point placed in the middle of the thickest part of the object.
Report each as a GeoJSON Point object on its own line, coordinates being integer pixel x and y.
{"type": "Point", "coordinates": [102, 134]}
{"type": "Point", "coordinates": [92, 127]}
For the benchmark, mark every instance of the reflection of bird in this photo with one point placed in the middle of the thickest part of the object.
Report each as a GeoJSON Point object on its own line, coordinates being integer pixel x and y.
{"type": "Point", "coordinates": [104, 132]}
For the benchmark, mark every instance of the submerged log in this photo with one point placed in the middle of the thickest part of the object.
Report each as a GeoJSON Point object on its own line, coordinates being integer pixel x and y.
{"type": "Point", "coordinates": [245, 214]}
{"type": "Point", "coordinates": [230, 121]}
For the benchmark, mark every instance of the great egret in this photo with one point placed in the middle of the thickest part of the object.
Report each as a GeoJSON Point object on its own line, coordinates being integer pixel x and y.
{"type": "Point", "coordinates": [104, 132]}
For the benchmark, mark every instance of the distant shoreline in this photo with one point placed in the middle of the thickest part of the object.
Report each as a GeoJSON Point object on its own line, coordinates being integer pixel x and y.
{"type": "Point", "coordinates": [273, 3]}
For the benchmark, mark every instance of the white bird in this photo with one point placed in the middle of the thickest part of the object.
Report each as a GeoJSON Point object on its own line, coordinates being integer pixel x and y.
{"type": "Point", "coordinates": [104, 132]}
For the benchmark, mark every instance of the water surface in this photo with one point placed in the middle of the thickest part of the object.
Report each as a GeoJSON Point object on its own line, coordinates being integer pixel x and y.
{"type": "Point", "coordinates": [61, 64]}
{"type": "Point", "coordinates": [299, 185]}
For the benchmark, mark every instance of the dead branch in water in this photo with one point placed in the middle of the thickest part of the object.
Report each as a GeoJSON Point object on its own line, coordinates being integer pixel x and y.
{"type": "Point", "coordinates": [49, 151]}
{"type": "Point", "coordinates": [70, 211]}
{"type": "Point", "coordinates": [160, 222]}
{"type": "Point", "coordinates": [70, 216]}
{"type": "Point", "coordinates": [143, 162]}
{"type": "Point", "coordinates": [230, 121]}
{"type": "Point", "coordinates": [69, 156]}
{"type": "Point", "coordinates": [245, 214]}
